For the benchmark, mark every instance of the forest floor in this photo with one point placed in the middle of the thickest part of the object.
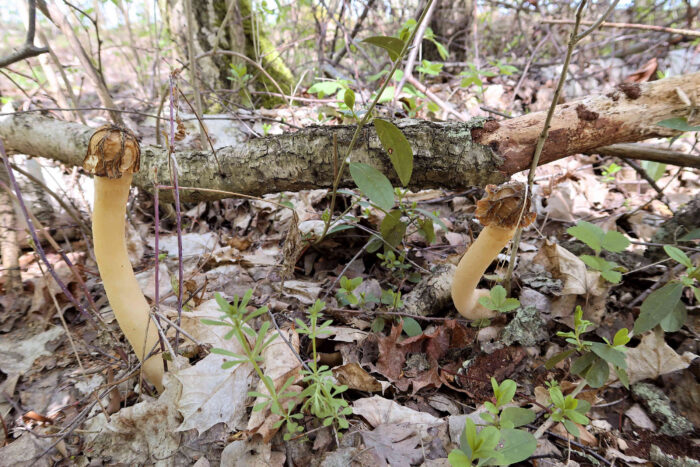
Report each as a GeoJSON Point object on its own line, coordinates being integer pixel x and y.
{"type": "Point", "coordinates": [414, 373]}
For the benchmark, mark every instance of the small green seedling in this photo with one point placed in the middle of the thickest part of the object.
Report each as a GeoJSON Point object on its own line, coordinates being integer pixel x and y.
{"type": "Point", "coordinates": [499, 442]}
{"type": "Point", "coordinates": [593, 357]}
{"type": "Point", "coordinates": [568, 410]}
{"type": "Point", "coordinates": [497, 301]}
{"type": "Point", "coordinates": [599, 239]}
{"type": "Point", "coordinates": [345, 293]}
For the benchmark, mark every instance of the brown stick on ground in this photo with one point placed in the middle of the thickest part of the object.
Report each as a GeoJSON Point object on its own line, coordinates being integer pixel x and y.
{"type": "Point", "coordinates": [449, 155]}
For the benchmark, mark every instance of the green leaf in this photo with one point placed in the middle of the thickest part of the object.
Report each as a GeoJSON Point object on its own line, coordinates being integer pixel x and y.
{"type": "Point", "coordinates": [427, 230]}
{"type": "Point", "coordinates": [373, 184]}
{"type": "Point", "coordinates": [692, 235]}
{"type": "Point", "coordinates": [655, 170]}
{"type": "Point", "coordinates": [588, 233]}
{"type": "Point", "coordinates": [518, 445]}
{"type": "Point", "coordinates": [392, 45]}
{"type": "Point", "coordinates": [457, 458]}
{"type": "Point", "coordinates": [571, 427]}
{"type": "Point", "coordinates": [594, 262]}
{"type": "Point", "coordinates": [392, 228]}
{"type": "Point", "coordinates": [677, 255]}
{"type": "Point", "coordinates": [506, 392]}
{"type": "Point", "coordinates": [621, 337]}
{"type": "Point", "coordinates": [614, 241]}
{"type": "Point", "coordinates": [518, 416]}
{"type": "Point", "coordinates": [598, 373]}
{"type": "Point", "coordinates": [498, 295]}
{"type": "Point", "coordinates": [325, 88]}
{"type": "Point", "coordinates": [582, 363]}
{"type": "Point", "coordinates": [549, 364]}
{"type": "Point", "coordinates": [675, 320]}
{"type": "Point", "coordinates": [411, 327]}
{"type": "Point", "coordinates": [489, 437]}
{"type": "Point", "coordinates": [349, 98]}
{"type": "Point", "coordinates": [678, 123]}
{"type": "Point", "coordinates": [611, 276]}
{"type": "Point", "coordinates": [657, 306]}
{"type": "Point", "coordinates": [609, 354]}
{"type": "Point", "coordinates": [398, 148]}
{"type": "Point", "coordinates": [624, 379]}
{"type": "Point", "coordinates": [221, 301]}
{"type": "Point", "coordinates": [556, 396]}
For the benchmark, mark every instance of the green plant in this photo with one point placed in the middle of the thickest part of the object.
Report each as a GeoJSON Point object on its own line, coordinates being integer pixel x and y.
{"type": "Point", "coordinates": [664, 306]}
{"type": "Point", "coordinates": [609, 172]}
{"type": "Point", "coordinates": [497, 301]}
{"type": "Point", "coordinates": [500, 442]}
{"type": "Point", "coordinates": [281, 402]}
{"type": "Point", "coordinates": [593, 357]}
{"type": "Point", "coordinates": [568, 410]}
{"type": "Point", "coordinates": [598, 239]}
{"type": "Point", "coordinates": [321, 396]}
{"type": "Point", "coordinates": [345, 293]}
{"type": "Point", "coordinates": [241, 78]}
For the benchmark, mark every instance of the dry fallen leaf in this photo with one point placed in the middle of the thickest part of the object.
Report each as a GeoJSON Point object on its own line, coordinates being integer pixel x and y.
{"type": "Point", "coordinates": [142, 433]}
{"type": "Point", "coordinates": [653, 357]}
{"type": "Point", "coordinates": [395, 445]}
{"type": "Point", "coordinates": [377, 411]}
{"type": "Point", "coordinates": [355, 377]}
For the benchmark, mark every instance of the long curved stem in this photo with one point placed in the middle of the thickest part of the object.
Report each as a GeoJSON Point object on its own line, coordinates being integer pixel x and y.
{"type": "Point", "coordinates": [472, 266]}
{"type": "Point", "coordinates": [123, 291]}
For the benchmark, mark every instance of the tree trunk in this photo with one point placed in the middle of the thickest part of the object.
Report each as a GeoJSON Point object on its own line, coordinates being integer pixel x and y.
{"type": "Point", "coordinates": [450, 155]}
{"type": "Point", "coordinates": [451, 24]}
{"type": "Point", "coordinates": [241, 33]}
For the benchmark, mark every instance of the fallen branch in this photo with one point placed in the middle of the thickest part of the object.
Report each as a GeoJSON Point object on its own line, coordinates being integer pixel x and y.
{"type": "Point", "coordinates": [449, 155]}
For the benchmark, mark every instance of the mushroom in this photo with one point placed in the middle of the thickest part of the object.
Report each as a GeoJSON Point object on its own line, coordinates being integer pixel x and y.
{"type": "Point", "coordinates": [500, 212]}
{"type": "Point", "coordinates": [113, 156]}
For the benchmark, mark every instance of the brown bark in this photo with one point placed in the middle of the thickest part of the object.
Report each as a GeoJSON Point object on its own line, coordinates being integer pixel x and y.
{"type": "Point", "coordinates": [450, 155]}
{"type": "Point", "coordinates": [629, 113]}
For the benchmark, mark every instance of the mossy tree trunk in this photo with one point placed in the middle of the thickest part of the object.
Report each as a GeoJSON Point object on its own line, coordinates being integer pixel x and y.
{"type": "Point", "coordinates": [242, 32]}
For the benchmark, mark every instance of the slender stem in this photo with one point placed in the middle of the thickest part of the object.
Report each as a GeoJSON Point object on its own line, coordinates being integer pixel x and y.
{"type": "Point", "coordinates": [174, 170]}
{"type": "Point", "coordinates": [366, 118]}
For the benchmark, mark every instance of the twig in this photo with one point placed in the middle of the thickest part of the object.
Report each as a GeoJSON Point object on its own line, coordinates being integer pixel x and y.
{"type": "Point", "coordinates": [366, 117]}
{"type": "Point", "coordinates": [573, 40]}
{"type": "Point", "coordinates": [176, 190]}
{"type": "Point", "coordinates": [442, 104]}
{"type": "Point", "coordinates": [35, 238]}
{"type": "Point", "coordinates": [28, 49]}
{"type": "Point", "coordinates": [648, 153]}
{"type": "Point", "coordinates": [646, 27]}
{"type": "Point", "coordinates": [417, 41]}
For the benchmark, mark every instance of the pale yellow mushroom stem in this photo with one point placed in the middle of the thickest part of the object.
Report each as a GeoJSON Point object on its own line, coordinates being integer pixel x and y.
{"type": "Point", "coordinates": [113, 155]}
{"type": "Point", "coordinates": [500, 212]}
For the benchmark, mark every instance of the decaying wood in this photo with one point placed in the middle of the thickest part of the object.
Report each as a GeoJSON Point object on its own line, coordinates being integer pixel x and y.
{"type": "Point", "coordinates": [450, 155]}
{"type": "Point", "coordinates": [629, 113]}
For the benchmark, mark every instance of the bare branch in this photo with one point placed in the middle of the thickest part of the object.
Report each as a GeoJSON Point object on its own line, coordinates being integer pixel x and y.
{"type": "Point", "coordinates": [28, 49]}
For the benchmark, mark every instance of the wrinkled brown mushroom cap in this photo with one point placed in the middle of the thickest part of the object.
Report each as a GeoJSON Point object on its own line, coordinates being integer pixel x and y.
{"type": "Point", "coordinates": [504, 205]}
{"type": "Point", "coordinates": [112, 151]}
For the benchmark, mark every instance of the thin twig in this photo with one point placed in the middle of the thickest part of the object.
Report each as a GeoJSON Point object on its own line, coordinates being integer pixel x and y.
{"type": "Point", "coordinates": [644, 27]}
